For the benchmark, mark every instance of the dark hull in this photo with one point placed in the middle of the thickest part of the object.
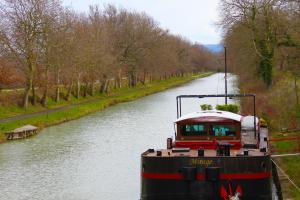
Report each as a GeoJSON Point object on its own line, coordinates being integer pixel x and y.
{"type": "Point", "coordinates": [194, 178]}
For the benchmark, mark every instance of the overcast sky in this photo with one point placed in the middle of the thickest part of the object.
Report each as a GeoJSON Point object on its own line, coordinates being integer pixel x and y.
{"type": "Point", "coordinates": [192, 19]}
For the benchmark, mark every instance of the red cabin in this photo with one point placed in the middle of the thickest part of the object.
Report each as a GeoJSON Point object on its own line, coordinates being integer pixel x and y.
{"type": "Point", "coordinates": [204, 129]}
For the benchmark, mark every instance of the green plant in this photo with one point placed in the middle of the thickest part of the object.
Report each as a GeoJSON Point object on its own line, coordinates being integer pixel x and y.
{"type": "Point", "coordinates": [230, 108]}
{"type": "Point", "coordinates": [206, 107]}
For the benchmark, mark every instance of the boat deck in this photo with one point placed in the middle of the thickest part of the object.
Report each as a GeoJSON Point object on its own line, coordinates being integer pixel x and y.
{"type": "Point", "coordinates": [194, 153]}
{"type": "Point", "coordinates": [248, 137]}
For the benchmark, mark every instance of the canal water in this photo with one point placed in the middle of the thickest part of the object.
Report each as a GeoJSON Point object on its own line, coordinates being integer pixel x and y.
{"type": "Point", "coordinates": [97, 157]}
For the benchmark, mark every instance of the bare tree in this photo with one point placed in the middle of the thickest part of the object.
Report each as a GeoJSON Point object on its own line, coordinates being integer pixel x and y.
{"type": "Point", "coordinates": [57, 48]}
{"type": "Point", "coordinates": [21, 31]}
{"type": "Point", "coordinates": [260, 17]}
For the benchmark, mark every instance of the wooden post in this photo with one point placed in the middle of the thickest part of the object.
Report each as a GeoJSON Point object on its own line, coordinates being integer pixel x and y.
{"type": "Point", "coordinates": [298, 141]}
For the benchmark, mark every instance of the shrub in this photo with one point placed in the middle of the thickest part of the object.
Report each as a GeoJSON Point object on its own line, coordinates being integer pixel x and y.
{"type": "Point", "coordinates": [206, 107]}
{"type": "Point", "coordinates": [230, 108]}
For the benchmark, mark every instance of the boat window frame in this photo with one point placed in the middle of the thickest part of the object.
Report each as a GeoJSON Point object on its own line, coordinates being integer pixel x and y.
{"type": "Point", "coordinates": [222, 124]}
{"type": "Point", "coordinates": [193, 124]}
{"type": "Point", "coordinates": [208, 128]}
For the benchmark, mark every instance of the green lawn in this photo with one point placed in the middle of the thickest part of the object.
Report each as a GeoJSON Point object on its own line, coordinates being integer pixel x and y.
{"type": "Point", "coordinates": [77, 111]}
{"type": "Point", "coordinates": [291, 166]}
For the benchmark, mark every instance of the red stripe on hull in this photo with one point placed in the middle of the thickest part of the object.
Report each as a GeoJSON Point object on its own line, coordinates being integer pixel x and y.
{"type": "Point", "coordinates": [175, 176]}
{"type": "Point", "coordinates": [260, 175]}
{"type": "Point", "coordinates": [201, 176]}
{"type": "Point", "coordinates": [205, 145]}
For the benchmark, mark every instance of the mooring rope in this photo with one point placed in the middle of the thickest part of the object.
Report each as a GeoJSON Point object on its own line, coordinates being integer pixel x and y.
{"type": "Point", "coordinates": [287, 176]}
{"type": "Point", "coordinates": [285, 155]}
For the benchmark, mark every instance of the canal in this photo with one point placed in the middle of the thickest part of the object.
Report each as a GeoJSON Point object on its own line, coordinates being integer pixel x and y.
{"type": "Point", "coordinates": [97, 157]}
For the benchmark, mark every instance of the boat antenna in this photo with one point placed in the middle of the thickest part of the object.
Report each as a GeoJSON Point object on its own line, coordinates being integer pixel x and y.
{"type": "Point", "coordinates": [225, 52]}
{"type": "Point", "coordinates": [218, 87]}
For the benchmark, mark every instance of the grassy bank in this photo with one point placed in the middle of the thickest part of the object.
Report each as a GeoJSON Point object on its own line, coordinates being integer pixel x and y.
{"type": "Point", "coordinates": [82, 107]}
{"type": "Point", "coordinates": [289, 164]}
{"type": "Point", "coordinates": [277, 104]}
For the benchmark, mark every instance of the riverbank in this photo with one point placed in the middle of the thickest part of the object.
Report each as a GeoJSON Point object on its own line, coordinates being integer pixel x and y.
{"type": "Point", "coordinates": [278, 106]}
{"type": "Point", "coordinates": [66, 112]}
{"type": "Point", "coordinates": [289, 164]}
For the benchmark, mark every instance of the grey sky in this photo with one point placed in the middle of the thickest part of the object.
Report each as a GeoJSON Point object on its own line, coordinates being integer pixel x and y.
{"type": "Point", "coordinates": [192, 19]}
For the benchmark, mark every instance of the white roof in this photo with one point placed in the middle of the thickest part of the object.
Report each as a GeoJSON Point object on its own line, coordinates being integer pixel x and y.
{"type": "Point", "coordinates": [212, 113]}
{"type": "Point", "coordinates": [25, 128]}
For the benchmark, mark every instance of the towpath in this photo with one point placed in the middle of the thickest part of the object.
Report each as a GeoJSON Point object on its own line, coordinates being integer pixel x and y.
{"type": "Point", "coordinates": [44, 112]}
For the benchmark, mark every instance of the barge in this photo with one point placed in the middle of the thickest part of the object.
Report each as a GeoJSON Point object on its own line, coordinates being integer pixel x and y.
{"type": "Point", "coordinates": [216, 155]}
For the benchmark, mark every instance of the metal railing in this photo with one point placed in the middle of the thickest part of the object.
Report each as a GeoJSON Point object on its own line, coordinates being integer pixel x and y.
{"type": "Point", "coordinates": [180, 97]}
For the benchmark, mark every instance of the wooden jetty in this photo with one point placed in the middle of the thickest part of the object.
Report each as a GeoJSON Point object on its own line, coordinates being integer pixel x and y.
{"type": "Point", "coordinates": [22, 132]}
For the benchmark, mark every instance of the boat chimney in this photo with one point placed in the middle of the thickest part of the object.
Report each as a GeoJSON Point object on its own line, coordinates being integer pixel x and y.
{"type": "Point", "coordinates": [200, 152]}
{"type": "Point", "coordinates": [169, 143]}
{"type": "Point", "coordinates": [158, 153]}
{"type": "Point", "coordinates": [224, 148]}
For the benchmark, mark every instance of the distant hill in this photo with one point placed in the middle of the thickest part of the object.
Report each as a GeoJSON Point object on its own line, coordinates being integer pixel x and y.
{"type": "Point", "coordinates": [214, 47]}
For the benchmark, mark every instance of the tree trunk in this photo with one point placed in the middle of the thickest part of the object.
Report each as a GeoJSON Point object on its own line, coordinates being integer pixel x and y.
{"type": "Point", "coordinates": [103, 84]}
{"type": "Point", "coordinates": [26, 94]}
{"type": "Point", "coordinates": [78, 89]}
{"type": "Point", "coordinates": [143, 80]}
{"type": "Point", "coordinates": [115, 83]}
{"type": "Point", "coordinates": [44, 99]}
{"type": "Point", "coordinates": [33, 94]}
{"type": "Point", "coordinates": [132, 79]}
{"type": "Point", "coordinates": [92, 88]}
{"type": "Point", "coordinates": [296, 91]}
{"type": "Point", "coordinates": [57, 94]}
{"type": "Point", "coordinates": [32, 71]}
{"type": "Point", "coordinates": [106, 86]}
{"type": "Point", "coordinates": [119, 79]}
{"type": "Point", "coordinates": [30, 61]}
{"type": "Point", "coordinates": [57, 91]}
{"type": "Point", "coordinates": [69, 91]}
{"type": "Point", "coordinates": [129, 81]}
{"type": "Point", "coordinates": [29, 85]}
{"type": "Point", "coordinates": [85, 88]}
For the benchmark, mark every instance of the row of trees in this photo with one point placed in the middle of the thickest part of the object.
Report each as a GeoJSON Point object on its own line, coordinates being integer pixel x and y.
{"type": "Point", "coordinates": [263, 39]}
{"type": "Point", "coordinates": [49, 46]}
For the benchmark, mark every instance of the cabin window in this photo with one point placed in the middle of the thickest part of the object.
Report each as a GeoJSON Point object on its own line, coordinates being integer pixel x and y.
{"type": "Point", "coordinates": [223, 130]}
{"type": "Point", "coordinates": [194, 130]}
